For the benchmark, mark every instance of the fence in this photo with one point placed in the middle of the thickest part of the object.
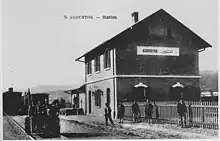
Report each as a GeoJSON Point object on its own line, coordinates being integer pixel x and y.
{"type": "Point", "coordinates": [205, 114]}
{"type": "Point", "coordinates": [68, 105]}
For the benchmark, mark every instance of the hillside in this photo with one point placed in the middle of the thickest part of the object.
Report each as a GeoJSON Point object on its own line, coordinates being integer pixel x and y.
{"type": "Point", "coordinates": [55, 91]}
{"type": "Point", "coordinates": [209, 80]}
{"type": "Point", "coordinates": [59, 94]}
{"type": "Point", "coordinates": [48, 88]}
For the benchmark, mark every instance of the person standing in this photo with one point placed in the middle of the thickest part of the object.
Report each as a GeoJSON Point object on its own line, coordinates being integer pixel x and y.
{"type": "Point", "coordinates": [181, 110]}
{"type": "Point", "coordinates": [108, 114]}
{"type": "Point", "coordinates": [31, 116]}
{"type": "Point", "coordinates": [121, 112]}
{"type": "Point", "coordinates": [37, 108]}
{"type": "Point", "coordinates": [135, 111]}
{"type": "Point", "coordinates": [156, 112]}
{"type": "Point", "coordinates": [38, 118]}
{"type": "Point", "coordinates": [148, 111]}
{"type": "Point", "coordinates": [190, 115]}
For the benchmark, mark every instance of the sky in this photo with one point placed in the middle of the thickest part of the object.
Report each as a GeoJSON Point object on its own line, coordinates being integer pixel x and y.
{"type": "Point", "coordinates": [39, 46]}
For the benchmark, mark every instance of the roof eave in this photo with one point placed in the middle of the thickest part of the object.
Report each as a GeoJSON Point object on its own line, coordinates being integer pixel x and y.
{"type": "Point", "coordinates": [130, 27]}
{"type": "Point", "coordinates": [124, 30]}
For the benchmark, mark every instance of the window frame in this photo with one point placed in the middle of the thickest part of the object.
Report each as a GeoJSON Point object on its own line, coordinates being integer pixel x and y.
{"type": "Point", "coordinates": [108, 93]}
{"type": "Point", "coordinates": [97, 95]}
{"type": "Point", "coordinates": [107, 59]}
{"type": "Point", "coordinates": [97, 64]}
{"type": "Point", "coordinates": [89, 67]}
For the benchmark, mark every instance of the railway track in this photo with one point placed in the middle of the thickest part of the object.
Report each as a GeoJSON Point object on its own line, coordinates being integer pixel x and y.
{"type": "Point", "coordinates": [70, 130]}
{"type": "Point", "coordinates": [31, 136]}
{"type": "Point", "coordinates": [20, 127]}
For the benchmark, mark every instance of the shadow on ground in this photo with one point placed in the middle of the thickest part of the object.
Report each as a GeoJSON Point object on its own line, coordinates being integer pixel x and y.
{"type": "Point", "coordinates": [82, 135]}
{"type": "Point", "coordinates": [74, 135]}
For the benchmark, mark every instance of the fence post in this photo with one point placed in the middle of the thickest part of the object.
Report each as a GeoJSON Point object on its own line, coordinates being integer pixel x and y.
{"type": "Point", "coordinates": [203, 116]}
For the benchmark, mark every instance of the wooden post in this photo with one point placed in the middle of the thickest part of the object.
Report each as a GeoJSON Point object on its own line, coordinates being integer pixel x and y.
{"type": "Point", "coordinates": [202, 112]}
{"type": "Point", "coordinates": [71, 95]}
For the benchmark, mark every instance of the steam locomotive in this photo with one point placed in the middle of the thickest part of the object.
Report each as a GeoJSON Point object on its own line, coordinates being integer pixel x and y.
{"type": "Point", "coordinates": [43, 118]}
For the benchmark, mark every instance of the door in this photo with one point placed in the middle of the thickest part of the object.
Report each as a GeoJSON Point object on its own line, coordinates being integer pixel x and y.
{"type": "Point", "coordinates": [139, 94]}
{"type": "Point", "coordinates": [90, 102]}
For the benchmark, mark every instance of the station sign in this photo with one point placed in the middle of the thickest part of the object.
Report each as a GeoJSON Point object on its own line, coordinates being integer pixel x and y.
{"type": "Point", "coordinates": [162, 51]}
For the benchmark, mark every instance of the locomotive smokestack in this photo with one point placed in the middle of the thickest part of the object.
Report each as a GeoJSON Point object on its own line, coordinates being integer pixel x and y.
{"type": "Point", "coordinates": [10, 89]}
{"type": "Point", "coordinates": [134, 17]}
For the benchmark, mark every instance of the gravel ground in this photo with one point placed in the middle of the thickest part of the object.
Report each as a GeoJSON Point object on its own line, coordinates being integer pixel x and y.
{"type": "Point", "coordinates": [162, 131]}
{"type": "Point", "coordinates": [11, 131]}
{"type": "Point", "coordinates": [19, 120]}
{"type": "Point", "coordinates": [94, 130]}
{"type": "Point", "coordinates": [168, 131]}
{"type": "Point", "coordinates": [76, 130]}
{"type": "Point", "coordinates": [73, 129]}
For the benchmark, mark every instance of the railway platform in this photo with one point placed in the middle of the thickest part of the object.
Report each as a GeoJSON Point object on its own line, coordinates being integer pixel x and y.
{"type": "Point", "coordinates": [86, 119]}
{"type": "Point", "coordinates": [144, 129]}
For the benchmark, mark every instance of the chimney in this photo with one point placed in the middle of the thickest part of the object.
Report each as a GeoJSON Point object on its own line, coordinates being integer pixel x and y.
{"type": "Point", "coordinates": [10, 89]}
{"type": "Point", "coordinates": [134, 17]}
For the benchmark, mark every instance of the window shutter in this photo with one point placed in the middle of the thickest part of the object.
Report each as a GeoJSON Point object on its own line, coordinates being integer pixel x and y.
{"type": "Point", "coordinates": [109, 59]}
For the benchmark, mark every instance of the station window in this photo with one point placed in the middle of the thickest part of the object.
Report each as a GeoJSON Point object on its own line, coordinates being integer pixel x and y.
{"type": "Point", "coordinates": [97, 64]}
{"type": "Point", "coordinates": [89, 67]}
{"type": "Point", "coordinates": [107, 59]}
{"type": "Point", "coordinates": [98, 94]}
{"type": "Point", "coordinates": [169, 33]}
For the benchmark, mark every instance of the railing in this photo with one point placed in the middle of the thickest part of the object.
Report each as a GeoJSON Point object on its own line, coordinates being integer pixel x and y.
{"type": "Point", "coordinates": [68, 105]}
{"type": "Point", "coordinates": [205, 114]}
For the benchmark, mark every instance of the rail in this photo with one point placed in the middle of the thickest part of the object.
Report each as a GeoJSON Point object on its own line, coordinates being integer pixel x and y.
{"type": "Point", "coordinates": [20, 127]}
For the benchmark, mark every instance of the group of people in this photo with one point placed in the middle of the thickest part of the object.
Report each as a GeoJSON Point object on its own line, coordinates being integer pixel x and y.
{"type": "Point", "coordinates": [120, 116]}
{"type": "Point", "coordinates": [135, 112]}
{"type": "Point", "coordinates": [149, 110]}
{"type": "Point", "coordinates": [43, 109]}
{"type": "Point", "coordinates": [41, 115]}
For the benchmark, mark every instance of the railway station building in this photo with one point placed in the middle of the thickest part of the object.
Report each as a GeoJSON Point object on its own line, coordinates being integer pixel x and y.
{"type": "Point", "coordinates": [156, 58]}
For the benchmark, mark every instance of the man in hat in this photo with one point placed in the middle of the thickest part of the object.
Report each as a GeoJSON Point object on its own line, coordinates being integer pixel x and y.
{"type": "Point", "coordinates": [121, 112]}
{"type": "Point", "coordinates": [135, 110]}
{"type": "Point", "coordinates": [108, 114]}
{"type": "Point", "coordinates": [181, 110]}
{"type": "Point", "coordinates": [148, 111]}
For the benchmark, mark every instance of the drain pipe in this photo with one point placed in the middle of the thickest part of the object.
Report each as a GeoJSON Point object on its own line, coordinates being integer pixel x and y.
{"type": "Point", "coordinates": [114, 80]}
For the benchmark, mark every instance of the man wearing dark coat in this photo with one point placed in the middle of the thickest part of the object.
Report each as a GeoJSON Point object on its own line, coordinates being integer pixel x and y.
{"type": "Point", "coordinates": [121, 112]}
{"type": "Point", "coordinates": [135, 111]}
{"type": "Point", "coordinates": [156, 112]}
{"type": "Point", "coordinates": [190, 115]}
{"type": "Point", "coordinates": [31, 114]}
{"type": "Point", "coordinates": [181, 110]}
{"type": "Point", "coordinates": [148, 111]}
{"type": "Point", "coordinates": [108, 114]}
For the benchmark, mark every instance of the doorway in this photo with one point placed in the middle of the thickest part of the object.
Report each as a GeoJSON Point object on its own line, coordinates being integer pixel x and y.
{"type": "Point", "coordinates": [90, 102]}
{"type": "Point", "coordinates": [139, 94]}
